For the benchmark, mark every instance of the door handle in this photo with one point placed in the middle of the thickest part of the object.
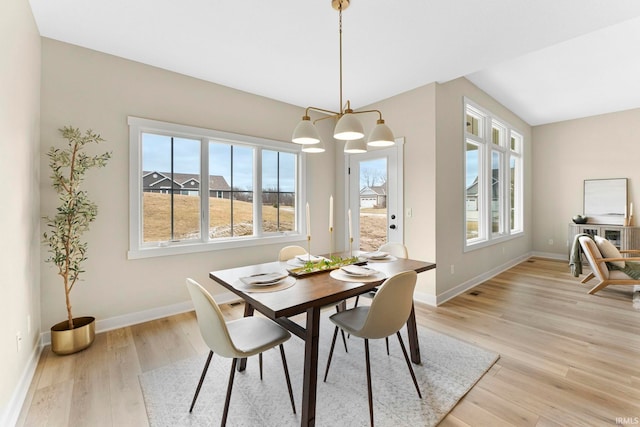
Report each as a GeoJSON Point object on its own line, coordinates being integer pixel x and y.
{"type": "Point", "coordinates": [392, 226]}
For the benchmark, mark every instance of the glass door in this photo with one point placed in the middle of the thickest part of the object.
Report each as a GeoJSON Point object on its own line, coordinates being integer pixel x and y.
{"type": "Point", "coordinates": [375, 197]}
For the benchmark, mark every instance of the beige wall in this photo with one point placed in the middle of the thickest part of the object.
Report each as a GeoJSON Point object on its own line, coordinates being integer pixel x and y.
{"type": "Point", "coordinates": [412, 115]}
{"type": "Point", "coordinates": [87, 89]}
{"type": "Point", "coordinates": [431, 120]}
{"type": "Point", "coordinates": [449, 202]}
{"type": "Point", "coordinates": [19, 216]}
{"type": "Point", "coordinates": [567, 153]}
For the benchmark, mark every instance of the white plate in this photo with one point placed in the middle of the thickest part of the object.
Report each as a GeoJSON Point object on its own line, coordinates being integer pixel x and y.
{"type": "Point", "coordinates": [375, 255]}
{"type": "Point", "coordinates": [264, 279]}
{"type": "Point", "coordinates": [274, 282]}
{"type": "Point", "coordinates": [358, 271]}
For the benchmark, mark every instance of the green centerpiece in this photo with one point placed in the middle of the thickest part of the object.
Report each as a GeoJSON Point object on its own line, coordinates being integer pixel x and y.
{"type": "Point", "coordinates": [333, 263]}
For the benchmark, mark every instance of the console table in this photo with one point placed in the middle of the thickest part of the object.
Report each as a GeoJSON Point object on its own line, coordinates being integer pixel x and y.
{"type": "Point", "coordinates": [622, 237]}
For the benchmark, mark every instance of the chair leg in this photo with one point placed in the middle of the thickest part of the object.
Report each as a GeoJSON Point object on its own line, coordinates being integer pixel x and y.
{"type": "Point", "coordinates": [260, 363]}
{"type": "Point", "coordinates": [599, 286]}
{"type": "Point", "coordinates": [355, 304]}
{"type": "Point", "coordinates": [204, 373]}
{"type": "Point", "coordinates": [286, 375]}
{"type": "Point", "coordinates": [406, 358]}
{"type": "Point", "coordinates": [344, 340]}
{"type": "Point", "coordinates": [333, 343]}
{"type": "Point", "coordinates": [386, 340]}
{"type": "Point", "coordinates": [366, 356]}
{"type": "Point", "coordinates": [229, 387]}
{"type": "Point", "coordinates": [589, 277]}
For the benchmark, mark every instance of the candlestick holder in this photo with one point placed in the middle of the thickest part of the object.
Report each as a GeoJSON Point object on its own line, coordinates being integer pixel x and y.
{"type": "Point", "coordinates": [331, 242]}
{"type": "Point", "coordinates": [630, 221]}
{"type": "Point", "coordinates": [351, 247]}
{"type": "Point", "coordinates": [309, 248]}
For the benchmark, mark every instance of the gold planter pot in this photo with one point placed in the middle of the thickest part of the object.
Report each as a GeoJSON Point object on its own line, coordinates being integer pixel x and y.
{"type": "Point", "coordinates": [68, 341]}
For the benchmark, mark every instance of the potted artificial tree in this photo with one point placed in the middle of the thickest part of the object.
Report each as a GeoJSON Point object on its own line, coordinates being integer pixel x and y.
{"type": "Point", "coordinates": [65, 229]}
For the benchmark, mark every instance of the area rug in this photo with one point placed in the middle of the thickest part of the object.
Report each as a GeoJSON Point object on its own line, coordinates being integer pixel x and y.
{"type": "Point", "coordinates": [449, 369]}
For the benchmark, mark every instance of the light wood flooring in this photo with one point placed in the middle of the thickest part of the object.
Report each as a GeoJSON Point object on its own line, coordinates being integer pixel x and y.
{"type": "Point", "coordinates": [566, 358]}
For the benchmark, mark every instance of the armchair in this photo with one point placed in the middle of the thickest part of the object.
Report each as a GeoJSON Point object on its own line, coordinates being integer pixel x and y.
{"type": "Point", "coordinates": [599, 268]}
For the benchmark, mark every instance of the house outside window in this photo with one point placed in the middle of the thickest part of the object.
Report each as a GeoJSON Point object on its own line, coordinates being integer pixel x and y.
{"type": "Point", "coordinates": [194, 189]}
{"type": "Point", "coordinates": [493, 178]}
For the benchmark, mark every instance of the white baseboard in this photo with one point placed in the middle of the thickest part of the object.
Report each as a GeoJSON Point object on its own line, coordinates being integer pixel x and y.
{"type": "Point", "coordinates": [9, 416]}
{"type": "Point", "coordinates": [551, 255]}
{"type": "Point", "coordinates": [472, 283]}
{"type": "Point", "coordinates": [104, 325]}
{"type": "Point", "coordinates": [425, 298]}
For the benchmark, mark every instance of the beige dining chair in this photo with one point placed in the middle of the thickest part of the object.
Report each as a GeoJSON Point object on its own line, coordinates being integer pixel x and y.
{"type": "Point", "coordinates": [396, 249]}
{"type": "Point", "coordinates": [235, 339]}
{"type": "Point", "coordinates": [388, 312]}
{"type": "Point", "coordinates": [288, 252]}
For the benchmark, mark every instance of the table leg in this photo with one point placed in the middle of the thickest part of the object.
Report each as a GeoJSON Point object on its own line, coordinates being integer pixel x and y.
{"type": "Point", "coordinates": [310, 380]}
{"type": "Point", "coordinates": [412, 331]}
{"type": "Point", "coordinates": [248, 311]}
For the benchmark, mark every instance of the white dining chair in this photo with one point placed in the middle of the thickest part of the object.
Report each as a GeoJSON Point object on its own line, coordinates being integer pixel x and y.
{"type": "Point", "coordinates": [388, 312]}
{"type": "Point", "coordinates": [396, 249]}
{"type": "Point", "coordinates": [288, 252]}
{"type": "Point", "coordinates": [235, 339]}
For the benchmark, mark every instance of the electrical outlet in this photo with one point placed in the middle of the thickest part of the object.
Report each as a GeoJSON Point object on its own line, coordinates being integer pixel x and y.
{"type": "Point", "coordinates": [453, 269]}
{"type": "Point", "coordinates": [550, 242]}
{"type": "Point", "coordinates": [409, 212]}
{"type": "Point", "coordinates": [18, 341]}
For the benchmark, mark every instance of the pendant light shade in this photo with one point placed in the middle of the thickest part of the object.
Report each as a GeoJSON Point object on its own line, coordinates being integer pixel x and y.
{"type": "Point", "coordinates": [381, 135]}
{"type": "Point", "coordinates": [355, 146]}
{"type": "Point", "coordinates": [305, 132]}
{"type": "Point", "coordinates": [348, 128]}
{"type": "Point", "coordinates": [313, 148]}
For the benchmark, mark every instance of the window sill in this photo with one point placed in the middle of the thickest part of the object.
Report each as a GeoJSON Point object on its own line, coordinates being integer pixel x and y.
{"type": "Point", "coordinates": [181, 248]}
{"type": "Point", "coordinates": [493, 241]}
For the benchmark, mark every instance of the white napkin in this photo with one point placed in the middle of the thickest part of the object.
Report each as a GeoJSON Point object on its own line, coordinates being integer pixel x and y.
{"type": "Point", "coordinates": [375, 255]}
{"type": "Point", "coordinates": [263, 278]}
{"type": "Point", "coordinates": [307, 257]}
{"type": "Point", "coordinates": [356, 270]}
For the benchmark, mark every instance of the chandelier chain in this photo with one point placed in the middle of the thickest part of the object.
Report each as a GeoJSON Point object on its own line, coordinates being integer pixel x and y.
{"type": "Point", "coordinates": [340, 31]}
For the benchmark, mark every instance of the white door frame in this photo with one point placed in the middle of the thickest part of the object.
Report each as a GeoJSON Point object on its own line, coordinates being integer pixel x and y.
{"type": "Point", "coordinates": [395, 188]}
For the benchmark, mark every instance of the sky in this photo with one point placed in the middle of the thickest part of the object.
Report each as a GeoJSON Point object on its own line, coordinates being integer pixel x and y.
{"type": "Point", "coordinates": [156, 155]}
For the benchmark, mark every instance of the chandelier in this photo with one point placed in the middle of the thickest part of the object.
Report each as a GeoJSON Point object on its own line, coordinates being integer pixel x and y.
{"type": "Point", "coordinates": [348, 128]}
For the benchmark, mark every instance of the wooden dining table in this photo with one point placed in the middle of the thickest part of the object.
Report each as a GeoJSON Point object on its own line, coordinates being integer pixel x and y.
{"type": "Point", "coordinates": [309, 295]}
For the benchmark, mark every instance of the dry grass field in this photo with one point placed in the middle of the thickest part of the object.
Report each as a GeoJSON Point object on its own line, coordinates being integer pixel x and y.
{"type": "Point", "coordinates": [157, 219]}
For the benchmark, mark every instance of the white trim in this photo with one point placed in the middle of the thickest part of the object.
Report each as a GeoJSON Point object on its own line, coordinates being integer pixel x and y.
{"type": "Point", "coordinates": [425, 298]}
{"type": "Point", "coordinates": [138, 249]}
{"type": "Point", "coordinates": [551, 255]}
{"type": "Point", "coordinates": [436, 300]}
{"type": "Point", "coordinates": [486, 148]}
{"type": "Point", "coordinates": [195, 247]}
{"type": "Point", "coordinates": [130, 319]}
{"type": "Point", "coordinates": [11, 413]}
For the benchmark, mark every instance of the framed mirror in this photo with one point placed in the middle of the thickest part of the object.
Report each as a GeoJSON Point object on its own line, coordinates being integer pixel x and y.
{"type": "Point", "coordinates": [605, 200]}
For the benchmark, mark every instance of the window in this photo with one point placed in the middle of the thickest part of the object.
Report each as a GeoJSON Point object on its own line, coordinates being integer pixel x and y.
{"type": "Point", "coordinates": [493, 178]}
{"type": "Point", "coordinates": [194, 189]}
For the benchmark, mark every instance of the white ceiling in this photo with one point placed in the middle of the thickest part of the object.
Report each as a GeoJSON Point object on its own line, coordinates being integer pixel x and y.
{"type": "Point", "coordinates": [546, 60]}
